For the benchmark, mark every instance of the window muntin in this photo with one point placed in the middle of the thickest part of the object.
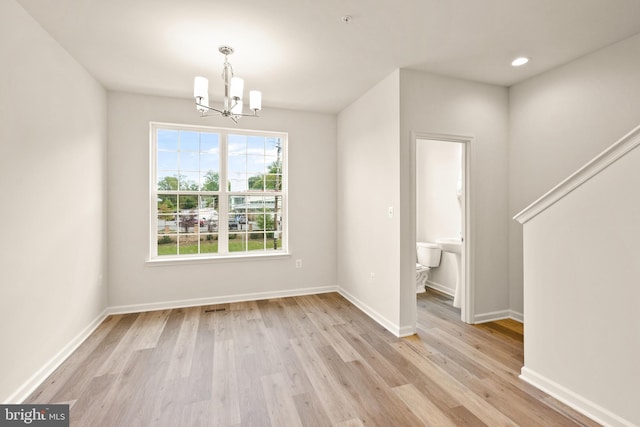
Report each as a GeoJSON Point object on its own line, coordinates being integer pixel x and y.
{"type": "Point", "coordinates": [193, 215]}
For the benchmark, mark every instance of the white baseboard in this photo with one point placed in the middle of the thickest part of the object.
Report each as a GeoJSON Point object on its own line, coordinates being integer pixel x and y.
{"type": "Point", "coordinates": [574, 400]}
{"type": "Point", "coordinates": [194, 302]}
{"type": "Point", "coordinates": [517, 316]}
{"type": "Point", "coordinates": [398, 331]}
{"type": "Point", "coordinates": [440, 288]}
{"type": "Point", "coordinates": [498, 315]}
{"type": "Point", "coordinates": [52, 364]}
{"type": "Point", "coordinates": [491, 316]}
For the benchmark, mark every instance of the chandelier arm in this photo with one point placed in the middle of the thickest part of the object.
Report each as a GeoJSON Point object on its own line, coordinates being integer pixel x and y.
{"type": "Point", "coordinates": [255, 114]}
{"type": "Point", "coordinates": [210, 108]}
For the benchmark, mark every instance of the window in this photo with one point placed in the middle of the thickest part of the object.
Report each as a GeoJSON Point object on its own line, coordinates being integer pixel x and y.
{"type": "Point", "coordinates": [217, 192]}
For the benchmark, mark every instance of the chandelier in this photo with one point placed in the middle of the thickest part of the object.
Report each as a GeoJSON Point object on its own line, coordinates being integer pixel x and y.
{"type": "Point", "coordinates": [233, 88]}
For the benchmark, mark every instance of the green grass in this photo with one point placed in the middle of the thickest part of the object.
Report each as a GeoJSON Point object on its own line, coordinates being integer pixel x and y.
{"type": "Point", "coordinates": [235, 245]}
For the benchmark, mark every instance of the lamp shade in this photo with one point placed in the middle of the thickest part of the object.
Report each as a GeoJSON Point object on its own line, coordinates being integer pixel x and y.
{"type": "Point", "coordinates": [200, 87]}
{"type": "Point", "coordinates": [237, 86]}
{"type": "Point", "coordinates": [255, 100]}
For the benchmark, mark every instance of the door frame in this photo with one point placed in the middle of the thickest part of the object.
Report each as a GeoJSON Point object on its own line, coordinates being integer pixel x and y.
{"type": "Point", "coordinates": [467, 259]}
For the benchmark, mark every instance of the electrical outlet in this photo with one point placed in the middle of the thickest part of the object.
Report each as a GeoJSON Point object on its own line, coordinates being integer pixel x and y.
{"type": "Point", "coordinates": [298, 263]}
{"type": "Point", "coordinates": [390, 212]}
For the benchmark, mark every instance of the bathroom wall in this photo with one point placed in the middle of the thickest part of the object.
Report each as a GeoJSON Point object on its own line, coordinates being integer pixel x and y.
{"type": "Point", "coordinates": [438, 214]}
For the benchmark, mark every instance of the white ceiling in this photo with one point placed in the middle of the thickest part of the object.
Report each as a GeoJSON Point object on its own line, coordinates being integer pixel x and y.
{"type": "Point", "coordinates": [302, 56]}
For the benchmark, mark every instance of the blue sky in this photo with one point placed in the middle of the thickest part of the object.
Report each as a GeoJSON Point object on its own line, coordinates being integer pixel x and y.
{"type": "Point", "coordinates": [192, 154]}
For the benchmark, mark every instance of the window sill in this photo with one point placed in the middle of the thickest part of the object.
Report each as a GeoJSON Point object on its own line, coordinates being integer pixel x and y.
{"type": "Point", "coordinates": [166, 261]}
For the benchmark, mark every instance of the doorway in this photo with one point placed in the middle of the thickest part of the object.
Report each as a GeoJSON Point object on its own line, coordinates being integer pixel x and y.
{"type": "Point", "coordinates": [441, 200]}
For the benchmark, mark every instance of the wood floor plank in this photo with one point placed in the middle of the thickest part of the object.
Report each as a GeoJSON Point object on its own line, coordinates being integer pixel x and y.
{"type": "Point", "coordinates": [378, 362]}
{"type": "Point", "coordinates": [315, 360]}
{"type": "Point", "coordinates": [225, 397]}
{"type": "Point", "coordinates": [428, 413]}
{"type": "Point", "coordinates": [280, 404]}
{"type": "Point", "coordinates": [375, 402]}
{"type": "Point", "coordinates": [465, 397]}
{"type": "Point", "coordinates": [182, 353]}
{"type": "Point", "coordinates": [310, 410]}
{"type": "Point", "coordinates": [337, 404]}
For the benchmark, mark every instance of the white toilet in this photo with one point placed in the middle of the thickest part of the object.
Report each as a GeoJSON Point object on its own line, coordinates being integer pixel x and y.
{"type": "Point", "coordinates": [428, 255]}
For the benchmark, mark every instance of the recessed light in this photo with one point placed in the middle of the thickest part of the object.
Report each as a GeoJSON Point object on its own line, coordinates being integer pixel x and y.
{"type": "Point", "coordinates": [519, 61]}
{"type": "Point", "coordinates": [346, 19]}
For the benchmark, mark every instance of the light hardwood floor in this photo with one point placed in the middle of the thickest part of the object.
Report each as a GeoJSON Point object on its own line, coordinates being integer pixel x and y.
{"type": "Point", "coordinates": [311, 360]}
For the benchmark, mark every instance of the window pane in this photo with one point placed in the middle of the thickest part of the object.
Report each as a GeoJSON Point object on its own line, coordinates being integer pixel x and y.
{"type": "Point", "coordinates": [210, 181]}
{"type": "Point", "coordinates": [273, 146]}
{"type": "Point", "coordinates": [167, 245]}
{"type": "Point", "coordinates": [208, 214]}
{"type": "Point", "coordinates": [255, 165]}
{"type": "Point", "coordinates": [209, 162]}
{"type": "Point", "coordinates": [255, 204]}
{"type": "Point", "coordinates": [168, 180]}
{"type": "Point", "coordinates": [187, 244]}
{"type": "Point", "coordinates": [189, 161]}
{"type": "Point", "coordinates": [210, 143]}
{"type": "Point", "coordinates": [208, 243]}
{"type": "Point", "coordinates": [237, 242]}
{"type": "Point", "coordinates": [167, 224]}
{"type": "Point", "coordinates": [237, 145]}
{"type": "Point", "coordinates": [167, 139]}
{"type": "Point", "coordinates": [256, 242]}
{"type": "Point", "coordinates": [188, 213]}
{"type": "Point", "coordinates": [238, 181]}
{"type": "Point", "coordinates": [189, 141]}
{"type": "Point", "coordinates": [255, 145]}
{"type": "Point", "coordinates": [273, 182]}
{"type": "Point", "coordinates": [167, 204]}
{"type": "Point", "coordinates": [273, 209]}
{"type": "Point", "coordinates": [237, 162]}
{"type": "Point", "coordinates": [189, 181]}
{"type": "Point", "coordinates": [256, 182]}
{"type": "Point", "coordinates": [167, 160]}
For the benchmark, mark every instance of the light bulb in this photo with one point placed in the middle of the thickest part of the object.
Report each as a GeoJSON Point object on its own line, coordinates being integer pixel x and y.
{"type": "Point", "coordinates": [519, 61]}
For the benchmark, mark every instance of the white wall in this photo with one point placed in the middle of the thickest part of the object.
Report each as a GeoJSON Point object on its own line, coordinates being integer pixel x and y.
{"type": "Point", "coordinates": [582, 298]}
{"type": "Point", "coordinates": [368, 184]}
{"type": "Point", "coordinates": [374, 152]}
{"type": "Point", "coordinates": [438, 214]}
{"type": "Point", "coordinates": [562, 119]}
{"type": "Point", "coordinates": [53, 144]}
{"type": "Point", "coordinates": [437, 104]}
{"type": "Point", "coordinates": [437, 172]}
{"type": "Point", "coordinates": [312, 209]}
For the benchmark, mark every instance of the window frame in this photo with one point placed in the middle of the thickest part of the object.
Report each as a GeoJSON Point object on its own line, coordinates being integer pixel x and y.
{"type": "Point", "coordinates": [223, 194]}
